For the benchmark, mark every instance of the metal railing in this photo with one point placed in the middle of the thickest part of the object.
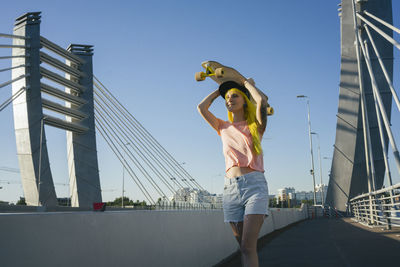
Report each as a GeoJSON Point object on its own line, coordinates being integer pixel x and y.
{"type": "Point", "coordinates": [378, 206]}
{"type": "Point", "coordinates": [182, 205]}
{"type": "Point", "coordinates": [381, 207]}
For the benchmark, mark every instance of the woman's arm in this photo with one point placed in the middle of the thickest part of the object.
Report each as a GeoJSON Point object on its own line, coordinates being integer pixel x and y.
{"type": "Point", "coordinates": [261, 105]}
{"type": "Point", "coordinates": [205, 113]}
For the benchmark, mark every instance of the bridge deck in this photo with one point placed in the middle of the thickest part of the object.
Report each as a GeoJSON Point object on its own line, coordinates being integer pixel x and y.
{"type": "Point", "coordinates": [329, 242]}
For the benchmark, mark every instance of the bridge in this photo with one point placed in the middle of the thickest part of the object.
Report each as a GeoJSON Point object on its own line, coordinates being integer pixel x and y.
{"type": "Point", "coordinates": [358, 206]}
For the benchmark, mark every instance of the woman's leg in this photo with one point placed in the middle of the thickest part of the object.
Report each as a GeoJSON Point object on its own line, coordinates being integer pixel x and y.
{"type": "Point", "coordinates": [237, 228]}
{"type": "Point", "coordinates": [251, 228]}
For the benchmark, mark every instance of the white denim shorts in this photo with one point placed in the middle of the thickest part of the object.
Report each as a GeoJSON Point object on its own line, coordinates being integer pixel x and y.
{"type": "Point", "coordinates": [243, 195]}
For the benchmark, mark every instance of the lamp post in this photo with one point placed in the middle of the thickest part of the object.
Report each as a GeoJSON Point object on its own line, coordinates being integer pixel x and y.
{"type": "Point", "coordinates": [320, 169]}
{"type": "Point", "coordinates": [40, 157]}
{"type": "Point", "coordinates": [311, 148]}
{"type": "Point", "coordinates": [329, 172]}
{"type": "Point", "coordinates": [123, 185]}
{"type": "Point", "coordinates": [123, 178]}
{"type": "Point", "coordinates": [174, 180]}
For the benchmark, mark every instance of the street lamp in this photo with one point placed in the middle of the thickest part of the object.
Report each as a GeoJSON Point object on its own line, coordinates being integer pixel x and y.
{"type": "Point", "coordinates": [123, 184]}
{"type": "Point", "coordinates": [311, 148]}
{"type": "Point", "coordinates": [123, 179]}
{"type": "Point", "coordinates": [174, 180]}
{"type": "Point", "coordinates": [320, 169]}
{"type": "Point", "coordinates": [40, 157]}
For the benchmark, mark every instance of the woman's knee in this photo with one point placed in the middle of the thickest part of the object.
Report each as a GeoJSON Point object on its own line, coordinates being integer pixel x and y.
{"type": "Point", "coordinates": [248, 247]}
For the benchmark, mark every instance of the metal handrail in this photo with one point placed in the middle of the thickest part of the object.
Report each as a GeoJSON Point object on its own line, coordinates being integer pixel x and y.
{"type": "Point", "coordinates": [380, 191]}
{"type": "Point", "coordinates": [384, 209]}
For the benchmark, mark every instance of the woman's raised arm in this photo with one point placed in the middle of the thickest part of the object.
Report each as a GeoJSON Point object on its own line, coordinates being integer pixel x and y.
{"type": "Point", "coordinates": [205, 113]}
{"type": "Point", "coordinates": [261, 101]}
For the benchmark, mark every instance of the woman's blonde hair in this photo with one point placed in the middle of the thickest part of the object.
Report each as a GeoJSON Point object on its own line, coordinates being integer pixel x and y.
{"type": "Point", "coordinates": [250, 115]}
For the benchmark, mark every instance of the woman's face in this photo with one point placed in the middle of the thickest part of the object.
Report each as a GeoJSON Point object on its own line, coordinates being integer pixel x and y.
{"type": "Point", "coordinates": [234, 101]}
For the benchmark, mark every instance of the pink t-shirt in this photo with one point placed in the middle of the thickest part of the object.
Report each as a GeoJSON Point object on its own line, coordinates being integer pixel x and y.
{"type": "Point", "coordinates": [237, 146]}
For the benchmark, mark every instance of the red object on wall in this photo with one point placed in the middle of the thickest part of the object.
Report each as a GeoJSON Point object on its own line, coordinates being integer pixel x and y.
{"type": "Point", "coordinates": [99, 206]}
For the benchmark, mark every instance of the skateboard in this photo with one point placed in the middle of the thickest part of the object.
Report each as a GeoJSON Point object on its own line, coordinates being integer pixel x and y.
{"type": "Point", "coordinates": [220, 74]}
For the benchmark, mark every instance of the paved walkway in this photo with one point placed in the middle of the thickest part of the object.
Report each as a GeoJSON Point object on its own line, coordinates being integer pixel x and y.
{"type": "Point", "coordinates": [329, 242]}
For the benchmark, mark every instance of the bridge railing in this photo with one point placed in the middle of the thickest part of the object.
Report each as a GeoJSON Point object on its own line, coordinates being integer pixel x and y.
{"type": "Point", "coordinates": [385, 207]}
{"type": "Point", "coordinates": [182, 205]}
{"type": "Point", "coordinates": [378, 206]}
{"type": "Point", "coordinates": [172, 205]}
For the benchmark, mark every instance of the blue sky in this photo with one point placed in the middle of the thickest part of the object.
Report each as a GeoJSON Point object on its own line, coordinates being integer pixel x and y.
{"type": "Point", "coordinates": [147, 52]}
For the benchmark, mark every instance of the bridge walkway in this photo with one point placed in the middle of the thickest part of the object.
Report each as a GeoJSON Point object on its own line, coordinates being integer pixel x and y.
{"type": "Point", "coordinates": [329, 242]}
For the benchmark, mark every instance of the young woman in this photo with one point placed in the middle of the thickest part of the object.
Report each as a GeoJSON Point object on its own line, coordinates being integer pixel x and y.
{"type": "Point", "coordinates": [245, 200]}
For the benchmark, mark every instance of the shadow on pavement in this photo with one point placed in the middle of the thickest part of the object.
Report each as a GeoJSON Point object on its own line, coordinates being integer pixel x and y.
{"type": "Point", "coordinates": [327, 242]}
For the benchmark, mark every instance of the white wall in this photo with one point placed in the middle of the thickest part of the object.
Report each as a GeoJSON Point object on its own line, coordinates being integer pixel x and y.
{"type": "Point", "coordinates": [124, 238]}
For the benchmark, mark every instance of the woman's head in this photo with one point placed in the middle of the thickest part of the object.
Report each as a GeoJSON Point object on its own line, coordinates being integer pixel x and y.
{"type": "Point", "coordinates": [237, 100]}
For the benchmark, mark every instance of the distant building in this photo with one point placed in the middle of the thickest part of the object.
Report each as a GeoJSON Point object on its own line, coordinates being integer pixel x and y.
{"type": "Point", "coordinates": [302, 195]}
{"type": "Point", "coordinates": [194, 196]}
{"type": "Point", "coordinates": [318, 191]}
{"type": "Point", "coordinates": [286, 193]}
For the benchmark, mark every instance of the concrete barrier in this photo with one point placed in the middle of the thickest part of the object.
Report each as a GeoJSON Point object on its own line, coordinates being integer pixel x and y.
{"type": "Point", "coordinates": [124, 238]}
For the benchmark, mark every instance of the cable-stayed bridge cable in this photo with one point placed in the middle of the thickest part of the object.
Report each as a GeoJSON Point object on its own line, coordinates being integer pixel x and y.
{"type": "Point", "coordinates": [122, 159]}
{"type": "Point", "coordinates": [130, 155]}
{"type": "Point", "coordinates": [135, 160]}
{"type": "Point", "coordinates": [388, 80]}
{"type": "Point", "coordinates": [145, 139]}
{"type": "Point", "coordinates": [131, 133]}
{"type": "Point", "coordinates": [11, 99]}
{"type": "Point", "coordinates": [115, 119]}
{"type": "Point", "coordinates": [145, 133]}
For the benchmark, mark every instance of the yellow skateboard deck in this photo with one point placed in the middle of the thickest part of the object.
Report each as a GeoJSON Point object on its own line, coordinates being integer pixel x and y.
{"type": "Point", "coordinates": [220, 74]}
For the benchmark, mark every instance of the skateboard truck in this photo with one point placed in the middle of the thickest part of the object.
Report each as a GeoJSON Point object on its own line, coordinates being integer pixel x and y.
{"type": "Point", "coordinates": [201, 76]}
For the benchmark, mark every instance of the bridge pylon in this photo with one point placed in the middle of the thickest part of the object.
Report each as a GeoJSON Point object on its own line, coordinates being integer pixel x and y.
{"type": "Point", "coordinates": [42, 87]}
{"type": "Point", "coordinates": [358, 164]}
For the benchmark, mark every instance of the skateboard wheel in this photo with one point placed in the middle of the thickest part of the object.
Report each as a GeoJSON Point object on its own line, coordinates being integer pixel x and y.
{"type": "Point", "coordinates": [219, 72]}
{"type": "Point", "coordinates": [270, 111]}
{"type": "Point", "coordinates": [200, 76]}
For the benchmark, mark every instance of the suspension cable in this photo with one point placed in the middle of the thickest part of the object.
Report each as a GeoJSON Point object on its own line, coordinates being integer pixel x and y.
{"type": "Point", "coordinates": [20, 56]}
{"type": "Point", "coordinates": [144, 132]}
{"type": "Point", "coordinates": [150, 143]}
{"type": "Point", "coordinates": [381, 107]}
{"type": "Point", "coordinates": [396, 98]}
{"type": "Point", "coordinates": [11, 99]}
{"type": "Point", "coordinates": [16, 67]}
{"type": "Point", "coordinates": [13, 80]}
{"type": "Point", "coordinates": [112, 132]}
{"type": "Point", "coordinates": [383, 22]}
{"type": "Point", "coordinates": [122, 159]}
{"type": "Point", "coordinates": [383, 34]}
{"type": "Point", "coordinates": [379, 119]}
{"type": "Point", "coordinates": [117, 117]}
{"type": "Point", "coordinates": [120, 128]}
{"type": "Point", "coordinates": [130, 155]}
